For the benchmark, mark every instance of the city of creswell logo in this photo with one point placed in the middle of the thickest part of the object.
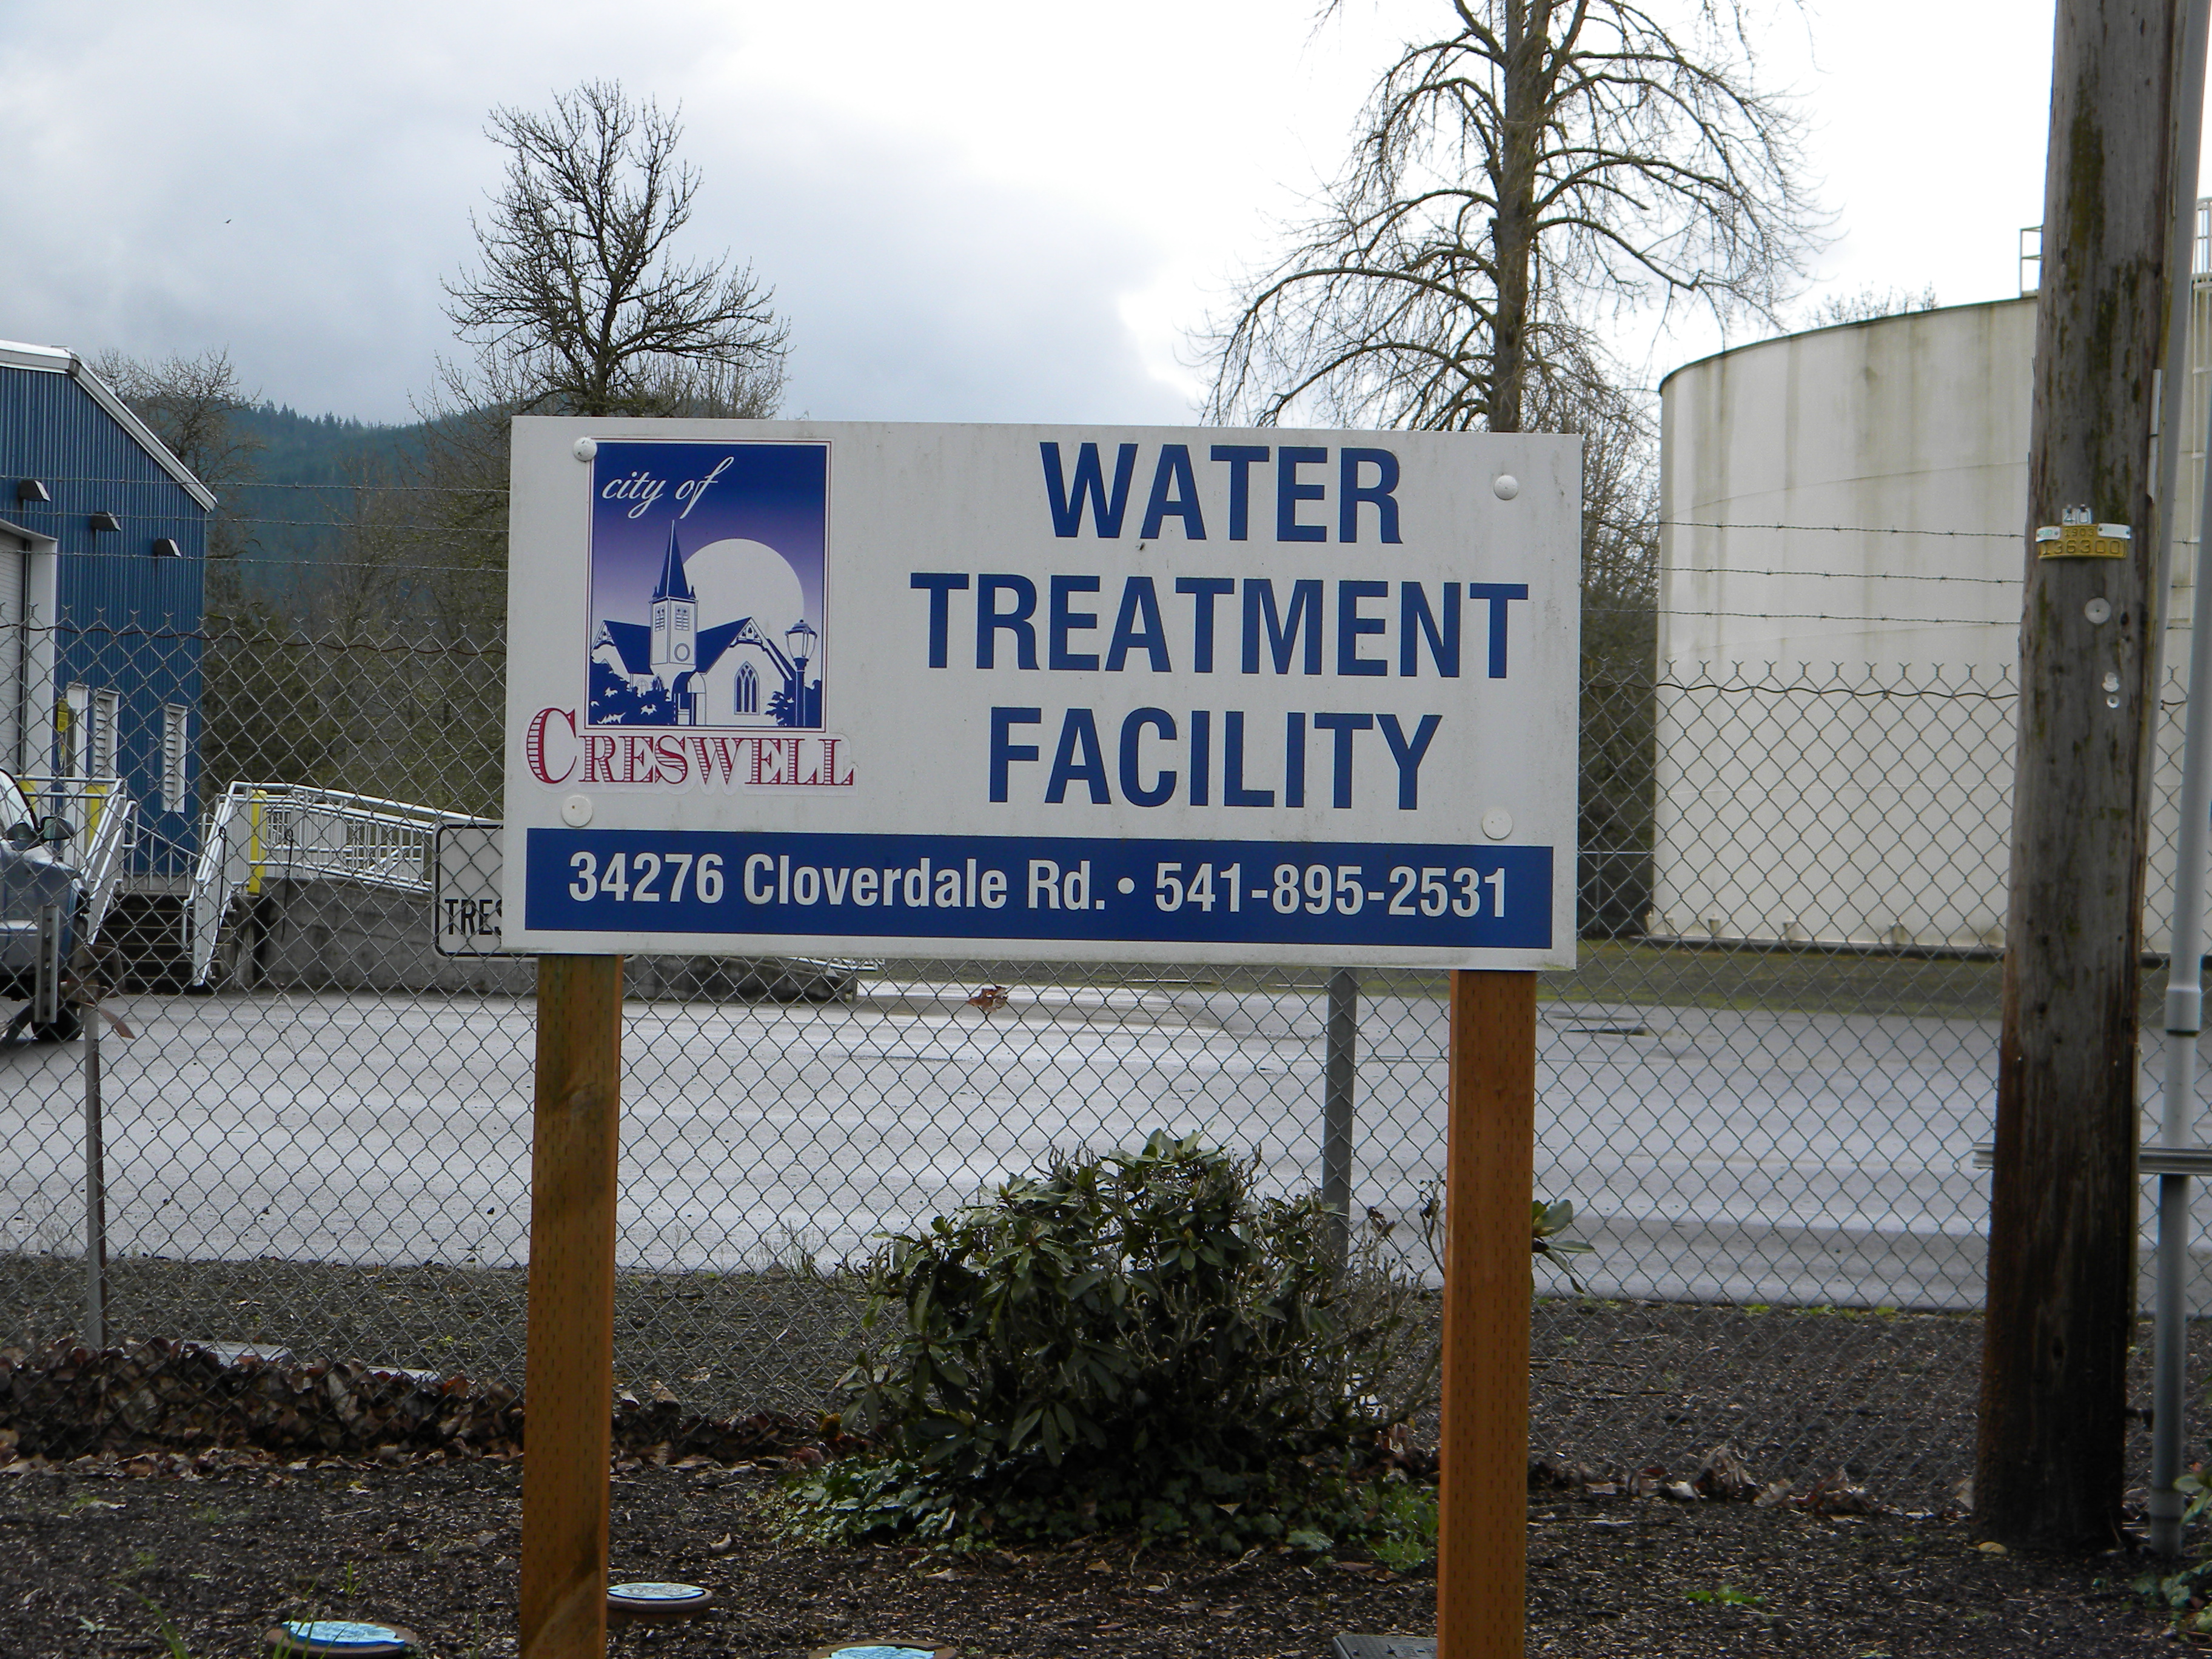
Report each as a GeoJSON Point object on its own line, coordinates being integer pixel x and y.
{"type": "Point", "coordinates": [709, 622]}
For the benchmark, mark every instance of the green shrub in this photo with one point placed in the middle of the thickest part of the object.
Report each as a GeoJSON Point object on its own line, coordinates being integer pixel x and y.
{"type": "Point", "coordinates": [1131, 1340]}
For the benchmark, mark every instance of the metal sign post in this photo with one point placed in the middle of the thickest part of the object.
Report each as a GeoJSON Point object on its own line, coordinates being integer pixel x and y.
{"type": "Point", "coordinates": [1054, 693]}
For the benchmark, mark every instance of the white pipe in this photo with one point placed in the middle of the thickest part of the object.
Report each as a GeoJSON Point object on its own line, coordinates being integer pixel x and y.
{"type": "Point", "coordinates": [2184, 996]}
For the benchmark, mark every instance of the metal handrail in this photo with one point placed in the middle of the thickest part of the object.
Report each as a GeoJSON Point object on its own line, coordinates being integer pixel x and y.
{"type": "Point", "coordinates": [103, 819]}
{"type": "Point", "coordinates": [293, 830]}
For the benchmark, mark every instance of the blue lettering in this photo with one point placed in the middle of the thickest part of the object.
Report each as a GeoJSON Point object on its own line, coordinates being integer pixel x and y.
{"type": "Point", "coordinates": [1079, 731]}
{"type": "Point", "coordinates": [1138, 604]}
{"type": "Point", "coordinates": [1089, 480]}
{"type": "Point", "coordinates": [1415, 619]}
{"type": "Point", "coordinates": [989, 619]}
{"type": "Point", "coordinates": [1342, 726]}
{"type": "Point", "coordinates": [1241, 459]}
{"type": "Point", "coordinates": [1064, 622]}
{"type": "Point", "coordinates": [1132, 730]}
{"type": "Point", "coordinates": [1351, 625]}
{"type": "Point", "coordinates": [1289, 492]}
{"type": "Point", "coordinates": [1174, 468]}
{"type": "Point", "coordinates": [1376, 494]}
{"type": "Point", "coordinates": [1500, 594]}
{"type": "Point", "coordinates": [938, 584]}
{"type": "Point", "coordinates": [1282, 633]}
{"type": "Point", "coordinates": [1408, 755]}
{"type": "Point", "coordinates": [1201, 756]}
{"type": "Point", "coordinates": [1233, 791]}
{"type": "Point", "coordinates": [1294, 760]}
{"type": "Point", "coordinates": [1003, 721]}
{"type": "Point", "coordinates": [1203, 590]}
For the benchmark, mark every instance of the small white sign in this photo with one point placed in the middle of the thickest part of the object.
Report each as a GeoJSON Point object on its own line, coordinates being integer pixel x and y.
{"type": "Point", "coordinates": [1074, 693]}
{"type": "Point", "coordinates": [464, 897]}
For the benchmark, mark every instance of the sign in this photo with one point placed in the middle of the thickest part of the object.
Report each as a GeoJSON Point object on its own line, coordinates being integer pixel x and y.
{"type": "Point", "coordinates": [1065, 693]}
{"type": "Point", "coordinates": [464, 899]}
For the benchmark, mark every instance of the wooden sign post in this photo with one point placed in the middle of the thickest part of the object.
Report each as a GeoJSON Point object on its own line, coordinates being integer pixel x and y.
{"type": "Point", "coordinates": [1490, 1175]}
{"type": "Point", "coordinates": [568, 1369]}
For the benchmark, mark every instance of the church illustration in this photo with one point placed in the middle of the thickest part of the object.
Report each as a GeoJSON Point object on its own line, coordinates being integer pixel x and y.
{"type": "Point", "coordinates": [671, 670]}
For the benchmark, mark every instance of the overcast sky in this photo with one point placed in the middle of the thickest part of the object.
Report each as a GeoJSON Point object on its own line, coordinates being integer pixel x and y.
{"type": "Point", "coordinates": [970, 209]}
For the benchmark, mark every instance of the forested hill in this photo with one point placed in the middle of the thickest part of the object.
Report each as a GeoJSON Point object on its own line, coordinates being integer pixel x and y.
{"type": "Point", "coordinates": [289, 517]}
{"type": "Point", "coordinates": [314, 449]}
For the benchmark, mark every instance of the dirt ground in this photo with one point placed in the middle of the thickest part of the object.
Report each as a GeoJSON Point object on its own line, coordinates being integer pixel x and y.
{"type": "Point", "coordinates": [159, 1555]}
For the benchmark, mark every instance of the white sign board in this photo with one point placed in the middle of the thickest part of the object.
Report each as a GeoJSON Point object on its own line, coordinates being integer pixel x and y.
{"type": "Point", "coordinates": [1066, 693]}
{"type": "Point", "coordinates": [465, 909]}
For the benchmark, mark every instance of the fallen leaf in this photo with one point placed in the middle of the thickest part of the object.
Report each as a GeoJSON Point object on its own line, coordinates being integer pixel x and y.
{"type": "Point", "coordinates": [1724, 1475]}
{"type": "Point", "coordinates": [1835, 1494]}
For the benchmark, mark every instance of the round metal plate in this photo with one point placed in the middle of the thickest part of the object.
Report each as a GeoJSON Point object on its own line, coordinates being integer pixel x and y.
{"type": "Point", "coordinates": [650, 1600]}
{"type": "Point", "coordinates": [311, 1639]}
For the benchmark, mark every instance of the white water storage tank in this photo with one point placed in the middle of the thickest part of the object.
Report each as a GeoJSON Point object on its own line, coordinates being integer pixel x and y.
{"type": "Point", "coordinates": [1844, 522]}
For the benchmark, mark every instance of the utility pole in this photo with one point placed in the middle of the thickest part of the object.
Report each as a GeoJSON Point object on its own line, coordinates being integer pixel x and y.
{"type": "Point", "coordinates": [2062, 1229]}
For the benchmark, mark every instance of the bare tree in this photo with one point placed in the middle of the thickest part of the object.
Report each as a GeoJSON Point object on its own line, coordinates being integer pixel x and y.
{"type": "Point", "coordinates": [1544, 160]}
{"type": "Point", "coordinates": [580, 307]}
{"type": "Point", "coordinates": [1864, 305]}
{"type": "Point", "coordinates": [192, 403]}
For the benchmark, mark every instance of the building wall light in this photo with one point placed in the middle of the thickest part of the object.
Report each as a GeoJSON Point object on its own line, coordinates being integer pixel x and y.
{"type": "Point", "coordinates": [30, 490]}
{"type": "Point", "coordinates": [165, 547]}
{"type": "Point", "coordinates": [99, 521]}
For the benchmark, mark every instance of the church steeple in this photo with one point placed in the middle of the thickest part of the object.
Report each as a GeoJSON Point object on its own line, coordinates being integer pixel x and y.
{"type": "Point", "coordinates": [675, 633]}
{"type": "Point", "coordinates": [673, 584]}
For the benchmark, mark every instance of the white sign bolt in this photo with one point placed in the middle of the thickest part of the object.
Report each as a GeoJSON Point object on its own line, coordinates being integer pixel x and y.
{"type": "Point", "coordinates": [576, 811]}
{"type": "Point", "coordinates": [1498, 823]}
{"type": "Point", "coordinates": [1506, 485]}
{"type": "Point", "coordinates": [586, 448]}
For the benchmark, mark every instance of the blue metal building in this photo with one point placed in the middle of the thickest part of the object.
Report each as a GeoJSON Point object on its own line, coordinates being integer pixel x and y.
{"type": "Point", "coordinates": [103, 560]}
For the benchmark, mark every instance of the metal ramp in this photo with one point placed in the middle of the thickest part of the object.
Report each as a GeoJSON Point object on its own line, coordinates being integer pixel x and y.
{"type": "Point", "coordinates": [291, 832]}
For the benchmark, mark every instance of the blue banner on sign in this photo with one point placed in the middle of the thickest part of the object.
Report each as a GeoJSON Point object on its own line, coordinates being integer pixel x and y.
{"type": "Point", "coordinates": [995, 887]}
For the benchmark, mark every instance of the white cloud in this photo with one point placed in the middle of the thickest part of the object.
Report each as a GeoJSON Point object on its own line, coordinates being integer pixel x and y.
{"type": "Point", "coordinates": [975, 210]}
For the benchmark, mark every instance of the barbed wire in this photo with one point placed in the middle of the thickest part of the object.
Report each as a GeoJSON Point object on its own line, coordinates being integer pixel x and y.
{"type": "Point", "coordinates": [272, 484]}
{"type": "Point", "coordinates": [502, 490]}
{"type": "Point", "coordinates": [1820, 616]}
{"type": "Point", "coordinates": [1666, 570]}
{"type": "Point", "coordinates": [1848, 529]}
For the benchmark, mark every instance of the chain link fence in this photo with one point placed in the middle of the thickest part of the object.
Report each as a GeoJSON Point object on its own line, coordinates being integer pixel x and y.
{"type": "Point", "coordinates": [1761, 1088]}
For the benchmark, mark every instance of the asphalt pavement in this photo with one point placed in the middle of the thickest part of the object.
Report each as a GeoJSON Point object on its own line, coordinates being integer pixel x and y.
{"type": "Point", "coordinates": [1711, 1155]}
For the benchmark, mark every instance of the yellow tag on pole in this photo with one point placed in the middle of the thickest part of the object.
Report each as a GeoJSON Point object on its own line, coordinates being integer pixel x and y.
{"type": "Point", "coordinates": [2083, 541]}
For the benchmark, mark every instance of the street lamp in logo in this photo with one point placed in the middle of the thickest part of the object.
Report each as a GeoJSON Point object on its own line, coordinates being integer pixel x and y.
{"type": "Point", "coordinates": [800, 640]}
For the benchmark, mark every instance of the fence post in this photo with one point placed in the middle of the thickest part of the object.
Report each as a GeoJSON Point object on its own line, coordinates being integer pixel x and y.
{"type": "Point", "coordinates": [568, 1364]}
{"type": "Point", "coordinates": [95, 1183]}
{"type": "Point", "coordinates": [1340, 1073]}
{"type": "Point", "coordinates": [1482, 1496]}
